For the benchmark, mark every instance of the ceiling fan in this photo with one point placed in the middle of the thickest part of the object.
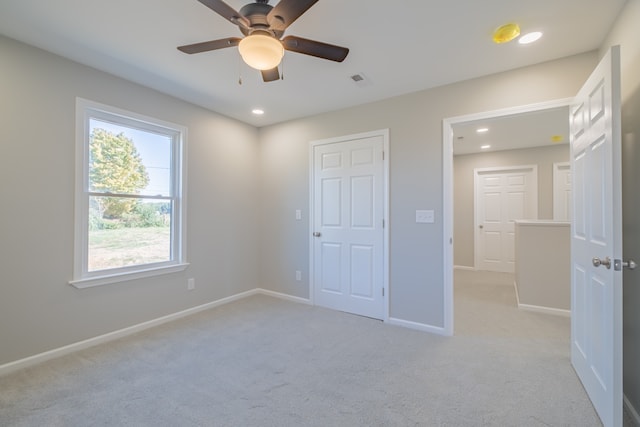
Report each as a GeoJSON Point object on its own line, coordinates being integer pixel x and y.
{"type": "Point", "coordinates": [263, 26]}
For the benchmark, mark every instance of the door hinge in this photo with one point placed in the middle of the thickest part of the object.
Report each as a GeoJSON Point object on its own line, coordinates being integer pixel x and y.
{"type": "Point", "coordinates": [382, 291]}
{"type": "Point", "coordinates": [383, 155]}
{"type": "Point", "coordinates": [382, 222]}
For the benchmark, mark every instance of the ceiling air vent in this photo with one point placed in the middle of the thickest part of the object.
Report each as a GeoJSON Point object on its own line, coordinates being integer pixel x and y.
{"type": "Point", "coordinates": [360, 79]}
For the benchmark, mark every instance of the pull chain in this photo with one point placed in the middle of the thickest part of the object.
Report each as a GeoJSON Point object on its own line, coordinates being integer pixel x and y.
{"type": "Point", "coordinates": [282, 68]}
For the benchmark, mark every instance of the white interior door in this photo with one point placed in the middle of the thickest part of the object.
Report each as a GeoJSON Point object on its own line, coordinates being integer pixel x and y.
{"type": "Point", "coordinates": [502, 196]}
{"type": "Point", "coordinates": [348, 206]}
{"type": "Point", "coordinates": [562, 191]}
{"type": "Point", "coordinates": [596, 286]}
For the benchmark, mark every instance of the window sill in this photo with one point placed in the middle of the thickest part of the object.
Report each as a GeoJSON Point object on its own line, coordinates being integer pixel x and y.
{"type": "Point", "coordinates": [106, 279]}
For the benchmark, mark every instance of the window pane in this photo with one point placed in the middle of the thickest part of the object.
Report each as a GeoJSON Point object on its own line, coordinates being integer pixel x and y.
{"type": "Point", "coordinates": [128, 231]}
{"type": "Point", "coordinates": [126, 160]}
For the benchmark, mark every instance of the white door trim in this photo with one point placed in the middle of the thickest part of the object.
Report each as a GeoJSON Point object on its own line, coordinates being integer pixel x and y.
{"type": "Point", "coordinates": [447, 189]}
{"type": "Point", "coordinates": [533, 169]}
{"type": "Point", "coordinates": [384, 133]}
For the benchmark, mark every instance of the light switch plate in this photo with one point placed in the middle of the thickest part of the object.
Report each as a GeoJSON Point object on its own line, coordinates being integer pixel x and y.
{"type": "Point", "coordinates": [298, 214]}
{"type": "Point", "coordinates": [425, 216]}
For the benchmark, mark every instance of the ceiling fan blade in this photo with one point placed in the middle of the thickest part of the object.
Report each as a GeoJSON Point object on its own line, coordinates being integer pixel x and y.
{"type": "Point", "coordinates": [270, 75]}
{"type": "Point", "coordinates": [315, 48]}
{"type": "Point", "coordinates": [226, 11]}
{"type": "Point", "coordinates": [210, 45]}
{"type": "Point", "coordinates": [287, 11]}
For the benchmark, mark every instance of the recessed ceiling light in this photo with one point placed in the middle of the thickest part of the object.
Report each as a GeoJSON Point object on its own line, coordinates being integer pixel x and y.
{"type": "Point", "coordinates": [485, 147]}
{"type": "Point", "coordinates": [530, 37]}
{"type": "Point", "coordinates": [482, 130]}
{"type": "Point", "coordinates": [257, 111]}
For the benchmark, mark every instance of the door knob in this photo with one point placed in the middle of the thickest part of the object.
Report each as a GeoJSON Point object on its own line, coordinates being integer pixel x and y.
{"type": "Point", "coordinates": [597, 262]}
{"type": "Point", "coordinates": [317, 234]}
{"type": "Point", "coordinates": [481, 226]}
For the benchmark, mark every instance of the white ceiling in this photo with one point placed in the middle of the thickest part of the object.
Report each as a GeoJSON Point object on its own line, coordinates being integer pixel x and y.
{"type": "Point", "coordinates": [401, 46]}
{"type": "Point", "coordinates": [524, 130]}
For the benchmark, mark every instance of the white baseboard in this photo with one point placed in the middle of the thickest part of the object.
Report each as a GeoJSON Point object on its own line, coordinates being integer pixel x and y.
{"type": "Point", "coordinates": [81, 345]}
{"type": "Point", "coordinates": [392, 321]}
{"type": "Point", "coordinates": [515, 286]}
{"type": "Point", "coordinates": [464, 267]}
{"type": "Point", "coordinates": [100, 339]}
{"type": "Point", "coordinates": [283, 296]}
{"type": "Point", "coordinates": [633, 413]}
{"type": "Point", "coordinates": [418, 326]}
{"type": "Point", "coordinates": [545, 310]}
{"type": "Point", "coordinates": [538, 308]}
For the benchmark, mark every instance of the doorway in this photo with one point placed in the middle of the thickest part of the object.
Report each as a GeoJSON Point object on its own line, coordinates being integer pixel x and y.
{"type": "Point", "coordinates": [596, 234]}
{"type": "Point", "coordinates": [448, 186]}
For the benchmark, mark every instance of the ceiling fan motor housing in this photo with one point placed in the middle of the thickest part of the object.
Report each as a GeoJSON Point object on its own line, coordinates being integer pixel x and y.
{"type": "Point", "coordinates": [257, 13]}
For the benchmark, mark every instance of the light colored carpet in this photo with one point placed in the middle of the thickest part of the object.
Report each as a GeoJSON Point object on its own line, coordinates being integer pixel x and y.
{"type": "Point", "coordinates": [262, 361]}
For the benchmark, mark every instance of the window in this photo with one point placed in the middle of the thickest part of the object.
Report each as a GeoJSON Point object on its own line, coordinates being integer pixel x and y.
{"type": "Point", "coordinates": [129, 196]}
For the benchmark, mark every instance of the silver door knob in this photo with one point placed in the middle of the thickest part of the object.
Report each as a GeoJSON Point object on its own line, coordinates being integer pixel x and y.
{"type": "Point", "coordinates": [317, 234]}
{"type": "Point", "coordinates": [481, 226]}
{"type": "Point", "coordinates": [597, 262]}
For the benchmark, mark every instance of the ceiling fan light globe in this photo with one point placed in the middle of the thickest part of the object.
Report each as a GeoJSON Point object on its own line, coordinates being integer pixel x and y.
{"type": "Point", "coordinates": [261, 52]}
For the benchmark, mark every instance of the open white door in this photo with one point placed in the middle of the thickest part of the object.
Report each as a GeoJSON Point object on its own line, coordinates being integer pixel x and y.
{"type": "Point", "coordinates": [596, 239]}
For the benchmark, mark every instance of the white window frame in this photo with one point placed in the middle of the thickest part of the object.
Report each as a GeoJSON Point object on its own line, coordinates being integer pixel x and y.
{"type": "Point", "coordinates": [82, 278]}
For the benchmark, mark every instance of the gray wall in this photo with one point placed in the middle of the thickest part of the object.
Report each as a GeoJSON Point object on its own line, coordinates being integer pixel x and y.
{"type": "Point", "coordinates": [626, 33]}
{"type": "Point", "coordinates": [415, 124]}
{"type": "Point", "coordinates": [39, 310]}
{"type": "Point", "coordinates": [463, 188]}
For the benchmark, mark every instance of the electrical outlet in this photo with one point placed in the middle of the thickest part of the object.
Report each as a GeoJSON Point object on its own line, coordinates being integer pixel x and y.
{"type": "Point", "coordinates": [298, 275]}
{"type": "Point", "coordinates": [191, 284]}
